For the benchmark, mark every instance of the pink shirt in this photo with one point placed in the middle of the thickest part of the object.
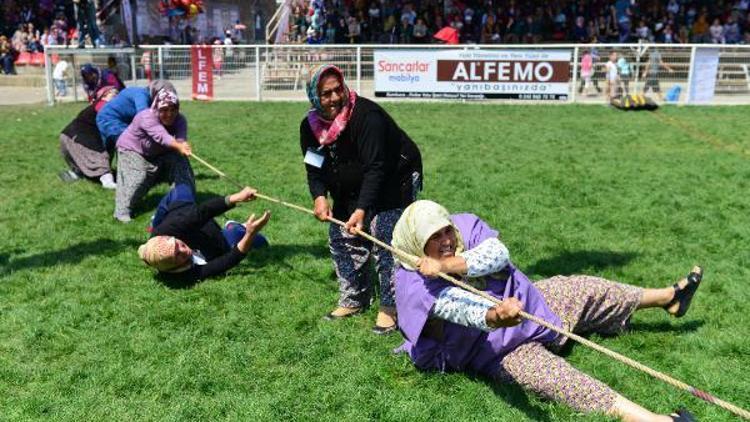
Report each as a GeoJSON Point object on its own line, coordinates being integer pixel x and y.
{"type": "Point", "coordinates": [148, 137]}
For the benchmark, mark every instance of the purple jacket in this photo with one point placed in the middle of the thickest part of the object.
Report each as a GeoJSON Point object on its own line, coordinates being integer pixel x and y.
{"type": "Point", "coordinates": [148, 137]}
{"type": "Point", "coordinates": [463, 348]}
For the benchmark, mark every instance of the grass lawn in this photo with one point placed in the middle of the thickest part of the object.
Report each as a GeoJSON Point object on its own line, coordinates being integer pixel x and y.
{"type": "Point", "coordinates": [87, 333]}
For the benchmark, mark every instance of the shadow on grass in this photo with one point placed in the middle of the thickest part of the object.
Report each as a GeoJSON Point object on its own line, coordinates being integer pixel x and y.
{"type": "Point", "coordinates": [70, 255]}
{"type": "Point", "coordinates": [576, 262]}
{"type": "Point", "coordinates": [515, 396]}
{"type": "Point", "coordinates": [667, 326]}
{"type": "Point", "coordinates": [273, 255]}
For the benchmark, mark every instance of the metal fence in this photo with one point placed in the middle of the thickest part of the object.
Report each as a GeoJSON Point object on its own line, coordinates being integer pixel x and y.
{"type": "Point", "coordinates": [279, 72]}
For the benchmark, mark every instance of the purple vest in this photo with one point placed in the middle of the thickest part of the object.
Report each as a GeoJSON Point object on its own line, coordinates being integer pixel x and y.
{"type": "Point", "coordinates": [463, 348]}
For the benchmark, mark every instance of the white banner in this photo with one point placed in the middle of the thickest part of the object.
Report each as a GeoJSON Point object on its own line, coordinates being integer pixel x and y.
{"type": "Point", "coordinates": [473, 74]}
{"type": "Point", "coordinates": [705, 68]}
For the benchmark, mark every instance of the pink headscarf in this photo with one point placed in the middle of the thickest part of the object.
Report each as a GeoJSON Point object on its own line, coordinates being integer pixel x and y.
{"type": "Point", "coordinates": [165, 98]}
{"type": "Point", "coordinates": [327, 131]}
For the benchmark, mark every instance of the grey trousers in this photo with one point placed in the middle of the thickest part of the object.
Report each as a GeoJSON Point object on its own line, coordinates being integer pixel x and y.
{"type": "Point", "coordinates": [137, 174]}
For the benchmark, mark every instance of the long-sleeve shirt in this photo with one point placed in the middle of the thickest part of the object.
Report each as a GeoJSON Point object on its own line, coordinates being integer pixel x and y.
{"type": "Point", "coordinates": [195, 225]}
{"type": "Point", "coordinates": [117, 114]}
{"type": "Point", "coordinates": [147, 136]}
{"type": "Point", "coordinates": [368, 167]}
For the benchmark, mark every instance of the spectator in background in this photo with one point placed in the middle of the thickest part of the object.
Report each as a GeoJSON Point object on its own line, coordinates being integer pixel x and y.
{"type": "Point", "coordinates": [7, 56]}
{"type": "Point", "coordinates": [643, 32]}
{"type": "Point", "coordinates": [612, 76]}
{"type": "Point", "coordinates": [587, 71]}
{"type": "Point", "coordinates": [732, 33]}
{"type": "Point", "coordinates": [700, 29]}
{"type": "Point", "coordinates": [354, 30]}
{"type": "Point", "coordinates": [717, 32]}
{"type": "Point", "coordinates": [405, 32]}
{"type": "Point", "coordinates": [59, 76]}
{"type": "Point", "coordinates": [651, 72]}
{"type": "Point", "coordinates": [420, 32]}
{"type": "Point", "coordinates": [580, 33]}
{"type": "Point", "coordinates": [86, 20]}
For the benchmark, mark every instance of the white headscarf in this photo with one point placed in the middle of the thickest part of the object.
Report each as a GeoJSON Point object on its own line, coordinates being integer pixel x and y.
{"type": "Point", "coordinates": [417, 224]}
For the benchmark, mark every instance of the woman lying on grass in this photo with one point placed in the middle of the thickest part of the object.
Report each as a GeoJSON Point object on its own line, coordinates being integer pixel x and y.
{"type": "Point", "coordinates": [188, 245]}
{"type": "Point", "coordinates": [449, 329]}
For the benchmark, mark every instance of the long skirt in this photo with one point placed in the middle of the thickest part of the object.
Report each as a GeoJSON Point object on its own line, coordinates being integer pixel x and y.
{"type": "Point", "coordinates": [82, 160]}
{"type": "Point", "coordinates": [586, 305]}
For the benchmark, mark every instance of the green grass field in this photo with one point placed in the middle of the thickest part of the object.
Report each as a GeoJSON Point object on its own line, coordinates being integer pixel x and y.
{"type": "Point", "coordinates": [87, 333]}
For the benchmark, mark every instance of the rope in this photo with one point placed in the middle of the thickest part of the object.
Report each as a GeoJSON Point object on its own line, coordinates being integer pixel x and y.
{"type": "Point", "coordinates": [617, 356]}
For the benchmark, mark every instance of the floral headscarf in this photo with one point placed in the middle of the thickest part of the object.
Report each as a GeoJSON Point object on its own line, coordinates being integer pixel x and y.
{"type": "Point", "coordinates": [165, 98]}
{"type": "Point", "coordinates": [417, 224]}
{"type": "Point", "coordinates": [159, 253]}
{"type": "Point", "coordinates": [327, 131]}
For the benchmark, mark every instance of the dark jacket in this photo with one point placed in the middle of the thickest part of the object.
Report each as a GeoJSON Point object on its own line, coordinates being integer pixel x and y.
{"type": "Point", "coordinates": [370, 166]}
{"type": "Point", "coordinates": [83, 130]}
{"type": "Point", "coordinates": [194, 224]}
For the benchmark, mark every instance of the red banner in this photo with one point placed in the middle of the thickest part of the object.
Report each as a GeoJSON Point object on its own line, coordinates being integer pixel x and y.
{"type": "Point", "coordinates": [203, 73]}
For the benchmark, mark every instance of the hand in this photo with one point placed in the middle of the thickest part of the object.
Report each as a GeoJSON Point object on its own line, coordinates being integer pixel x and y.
{"type": "Point", "coordinates": [322, 210]}
{"type": "Point", "coordinates": [254, 225]}
{"type": "Point", "coordinates": [246, 194]}
{"type": "Point", "coordinates": [183, 148]}
{"type": "Point", "coordinates": [506, 314]}
{"type": "Point", "coordinates": [429, 267]}
{"type": "Point", "coordinates": [356, 221]}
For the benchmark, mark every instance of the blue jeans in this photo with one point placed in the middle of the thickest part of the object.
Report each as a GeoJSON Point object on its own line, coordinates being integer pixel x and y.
{"type": "Point", "coordinates": [233, 231]}
{"type": "Point", "coordinates": [62, 89]}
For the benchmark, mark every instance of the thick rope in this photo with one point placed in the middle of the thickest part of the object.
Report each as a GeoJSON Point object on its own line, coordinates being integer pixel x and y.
{"type": "Point", "coordinates": [413, 260]}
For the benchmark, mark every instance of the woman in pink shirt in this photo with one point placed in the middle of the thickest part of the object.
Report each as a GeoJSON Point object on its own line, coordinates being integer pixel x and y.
{"type": "Point", "coordinates": [153, 149]}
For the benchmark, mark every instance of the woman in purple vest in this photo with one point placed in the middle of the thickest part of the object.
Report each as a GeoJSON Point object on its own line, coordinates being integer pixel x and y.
{"type": "Point", "coordinates": [449, 329]}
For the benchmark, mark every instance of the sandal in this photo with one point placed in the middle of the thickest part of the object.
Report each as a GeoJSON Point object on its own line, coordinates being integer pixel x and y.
{"type": "Point", "coordinates": [683, 416]}
{"type": "Point", "coordinates": [333, 315]}
{"type": "Point", "coordinates": [381, 331]}
{"type": "Point", "coordinates": [684, 295]}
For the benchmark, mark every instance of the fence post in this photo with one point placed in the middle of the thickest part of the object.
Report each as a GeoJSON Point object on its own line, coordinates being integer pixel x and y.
{"type": "Point", "coordinates": [48, 77]}
{"type": "Point", "coordinates": [133, 74]}
{"type": "Point", "coordinates": [690, 75]}
{"type": "Point", "coordinates": [359, 69]}
{"type": "Point", "coordinates": [575, 75]}
{"type": "Point", "coordinates": [258, 87]}
{"type": "Point", "coordinates": [75, 78]}
{"type": "Point", "coordinates": [161, 62]}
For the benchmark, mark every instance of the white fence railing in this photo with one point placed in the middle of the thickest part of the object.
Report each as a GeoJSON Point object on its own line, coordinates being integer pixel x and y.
{"type": "Point", "coordinates": [279, 72]}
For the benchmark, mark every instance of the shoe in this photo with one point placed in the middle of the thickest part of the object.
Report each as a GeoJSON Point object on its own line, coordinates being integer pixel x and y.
{"type": "Point", "coordinates": [123, 218]}
{"type": "Point", "coordinates": [68, 176]}
{"type": "Point", "coordinates": [381, 331]}
{"type": "Point", "coordinates": [684, 295]}
{"type": "Point", "coordinates": [342, 312]}
{"type": "Point", "coordinates": [682, 415]}
{"type": "Point", "coordinates": [107, 181]}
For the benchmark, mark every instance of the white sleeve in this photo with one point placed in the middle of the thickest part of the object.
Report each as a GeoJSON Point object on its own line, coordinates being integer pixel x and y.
{"type": "Point", "coordinates": [463, 308]}
{"type": "Point", "coordinates": [488, 257]}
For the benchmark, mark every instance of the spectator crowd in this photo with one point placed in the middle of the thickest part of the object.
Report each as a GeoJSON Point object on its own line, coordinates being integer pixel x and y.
{"type": "Point", "coordinates": [521, 21]}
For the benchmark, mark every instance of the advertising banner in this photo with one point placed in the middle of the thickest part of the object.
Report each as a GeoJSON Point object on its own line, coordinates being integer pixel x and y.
{"type": "Point", "coordinates": [203, 72]}
{"type": "Point", "coordinates": [473, 74]}
{"type": "Point", "coordinates": [705, 69]}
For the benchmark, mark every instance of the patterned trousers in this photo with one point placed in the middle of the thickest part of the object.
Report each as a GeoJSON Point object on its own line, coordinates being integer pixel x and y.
{"type": "Point", "coordinates": [351, 254]}
{"type": "Point", "coordinates": [137, 174]}
{"type": "Point", "coordinates": [586, 305]}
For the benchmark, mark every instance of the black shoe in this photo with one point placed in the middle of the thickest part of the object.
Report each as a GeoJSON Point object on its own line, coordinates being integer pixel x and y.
{"type": "Point", "coordinates": [684, 295]}
{"type": "Point", "coordinates": [684, 416]}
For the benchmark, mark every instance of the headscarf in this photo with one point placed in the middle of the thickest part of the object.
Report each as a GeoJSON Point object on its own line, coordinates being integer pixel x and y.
{"type": "Point", "coordinates": [163, 99]}
{"type": "Point", "coordinates": [159, 253]}
{"type": "Point", "coordinates": [326, 131]}
{"type": "Point", "coordinates": [417, 224]}
{"type": "Point", "coordinates": [157, 85]}
{"type": "Point", "coordinates": [90, 87]}
{"type": "Point", "coordinates": [99, 102]}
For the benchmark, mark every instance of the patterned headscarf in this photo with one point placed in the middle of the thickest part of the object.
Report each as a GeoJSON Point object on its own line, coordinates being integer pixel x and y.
{"type": "Point", "coordinates": [417, 224]}
{"type": "Point", "coordinates": [157, 85]}
{"type": "Point", "coordinates": [159, 253]}
{"type": "Point", "coordinates": [326, 131]}
{"type": "Point", "coordinates": [163, 99]}
{"type": "Point", "coordinates": [90, 86]}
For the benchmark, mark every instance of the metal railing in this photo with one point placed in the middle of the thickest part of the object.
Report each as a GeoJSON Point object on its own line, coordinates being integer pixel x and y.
{"type": "Point", "coordinates": [279, 72]}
